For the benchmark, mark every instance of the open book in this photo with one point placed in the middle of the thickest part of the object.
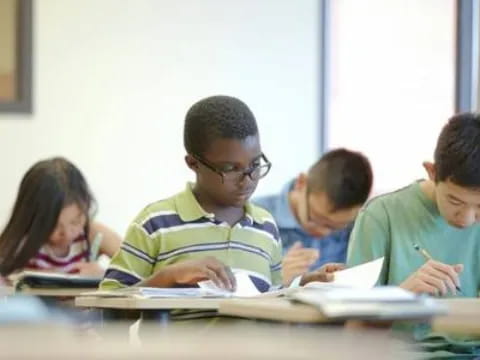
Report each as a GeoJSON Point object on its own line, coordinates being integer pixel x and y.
{"type": "Point", "coordinates": [205, 289]}
{"type": "Point", "coordinates": [352, 295]}
{"type": "Point", "coordinates": [364, 276]}
{"type": "Point", "coordinates": [52, 280]}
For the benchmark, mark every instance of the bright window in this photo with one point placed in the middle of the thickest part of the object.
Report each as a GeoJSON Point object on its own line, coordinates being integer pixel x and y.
{"type": "Point", "coordinates": [391, 84]}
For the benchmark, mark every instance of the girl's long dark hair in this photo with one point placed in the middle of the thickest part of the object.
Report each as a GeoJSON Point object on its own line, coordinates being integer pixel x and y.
{"type": "Point", "coordinates": [47, 187]}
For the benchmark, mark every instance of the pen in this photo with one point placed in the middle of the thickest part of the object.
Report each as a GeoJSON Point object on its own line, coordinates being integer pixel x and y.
{"type": "Point", "coordinates": [427, 257]}
{"type": "Point", "coordinates": [95, 248]}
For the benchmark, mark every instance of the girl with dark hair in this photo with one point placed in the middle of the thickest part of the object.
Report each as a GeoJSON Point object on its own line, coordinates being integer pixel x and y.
{"type": "Point", "coordinates": [49, 228]}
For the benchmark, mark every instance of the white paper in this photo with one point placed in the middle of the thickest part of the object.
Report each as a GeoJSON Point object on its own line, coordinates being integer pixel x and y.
{"type": "Point", "coordinates": [387, 302]}
{"type": "Point", "coordinates": [381, 293]}
{"type": "Point", "coordinates": [155, 292]}
{"type": "Point", "coordinates": [363, 276]}
{"type": "Point", "coordinates": [245, 286]}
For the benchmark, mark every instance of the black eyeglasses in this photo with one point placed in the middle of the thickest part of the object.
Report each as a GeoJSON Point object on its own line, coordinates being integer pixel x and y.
{"type": "Point", "coordinates": [255, 172]}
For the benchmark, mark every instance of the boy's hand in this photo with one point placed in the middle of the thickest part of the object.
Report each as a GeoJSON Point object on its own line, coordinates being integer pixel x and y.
{"type": "Point", "coordinates": [297, 261]}
{"type": "Point", "coordinates": [88, 269]}
{"type": "Point", "coordinates": [190, 272]}
{"type": "Point", "coordinates": [323, 274]}
{"type": "Point", "coordinates": [434, 278]}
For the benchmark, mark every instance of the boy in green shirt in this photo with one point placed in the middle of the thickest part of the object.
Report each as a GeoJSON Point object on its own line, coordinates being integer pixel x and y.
{"type": "Point", "coordinates": [209, 229]}
{"type": "Point", "coordinates": [441, 215]}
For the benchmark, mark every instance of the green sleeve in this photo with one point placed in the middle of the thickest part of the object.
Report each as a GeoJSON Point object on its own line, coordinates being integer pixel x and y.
{"type": "Point", "coordinates": [370, 238]}
{"type": "Point", "coordinates": [134, 261]}
{"type": "Point", "coordinates": [276, 265]}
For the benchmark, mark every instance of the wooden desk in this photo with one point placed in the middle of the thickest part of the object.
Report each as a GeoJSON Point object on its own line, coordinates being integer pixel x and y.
{"type": "Point", "coordinates": [463, 317]}
{"type": "Point", "coordinates": [253, 341]}
{"type": "Point", "coordinates": [131, 303]}
{"type": "Point", "coordinates": [281, 309]}
{"type": "Point", "coordinates": [464, 314]}
{"type": "Point", "coordinates": [278, 309]}
{"type": "Point", "coordinates": [275, 309]}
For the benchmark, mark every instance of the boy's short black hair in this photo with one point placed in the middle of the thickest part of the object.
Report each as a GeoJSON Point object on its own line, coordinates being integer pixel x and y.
{"type": "Point", "coordinates": [217, 117]}
{"type": "Point", "coordinates": [457, 155]}
{"type": "Point", "coordinates": [345, 176]}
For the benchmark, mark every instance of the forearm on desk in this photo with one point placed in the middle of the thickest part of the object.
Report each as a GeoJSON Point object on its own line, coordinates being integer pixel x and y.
{"type": "Point", "coordinates": [162, 278]}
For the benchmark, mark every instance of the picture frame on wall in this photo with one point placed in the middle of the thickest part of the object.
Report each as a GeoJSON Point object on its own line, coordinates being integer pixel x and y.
{"type": "Point", "coordinates": [16, 56]}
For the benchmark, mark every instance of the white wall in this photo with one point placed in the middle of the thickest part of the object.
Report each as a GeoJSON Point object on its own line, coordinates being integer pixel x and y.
{"type": "Point", "coordinates": [114, 78]}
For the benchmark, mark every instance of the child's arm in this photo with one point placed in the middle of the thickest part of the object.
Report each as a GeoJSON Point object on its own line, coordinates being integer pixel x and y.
{"type": "Point", "coordinates": [190, 272]}
{"type": "Point", "coordinates": [110, 241]}
{"type": "Point", "coordinates": [297, 261]}
{"type": "Point", "coordinates": [322, 274]}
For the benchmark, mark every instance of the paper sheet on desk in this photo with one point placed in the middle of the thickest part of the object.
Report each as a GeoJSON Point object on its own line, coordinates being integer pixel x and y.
{"type": "Point", "coordinates": [363, 276]}
{"type": "Point", "coordinates": [384, 302]}
{"type": "Point", "coordinates": [245, 285]}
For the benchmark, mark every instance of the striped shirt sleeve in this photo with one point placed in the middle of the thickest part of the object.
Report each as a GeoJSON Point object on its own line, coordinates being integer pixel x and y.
{"type": "Point", "coordinates": [276, 266]}
{"type": "Point", "coordinates": [134, 261]}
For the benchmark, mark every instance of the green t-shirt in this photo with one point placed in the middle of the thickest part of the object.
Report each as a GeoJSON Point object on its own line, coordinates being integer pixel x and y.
{"type": "Point", "coordinates": [389, 226]}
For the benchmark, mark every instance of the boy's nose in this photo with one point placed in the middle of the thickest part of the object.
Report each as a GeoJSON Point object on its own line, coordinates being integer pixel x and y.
{"type": "Point", "coordinates": [467, 218]}
{"type": "Point", "coordinates": [244, 180]}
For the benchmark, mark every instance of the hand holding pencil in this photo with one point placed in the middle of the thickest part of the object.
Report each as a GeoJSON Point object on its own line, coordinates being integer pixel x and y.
{"type": "Point", "coordinates": [434, 277]}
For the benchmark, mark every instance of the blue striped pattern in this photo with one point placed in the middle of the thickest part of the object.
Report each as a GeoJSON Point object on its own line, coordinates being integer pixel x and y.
{"type": "Point", "coordinates": [137, 252]}
{"type": "Point", "coordinates": [122, 277]}
{"type": "Point", "coordinates": [214, 246]}
{"type": "Point", "coordinates": [168, 221]}
{"type": "Point", "coordinates": [177, 229]}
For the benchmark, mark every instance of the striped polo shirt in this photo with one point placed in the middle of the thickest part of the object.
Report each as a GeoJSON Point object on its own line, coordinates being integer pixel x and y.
{"type": "Point", "coordinates": [46, 260]}
{"type": "Point", "coordinates": [178, 229]}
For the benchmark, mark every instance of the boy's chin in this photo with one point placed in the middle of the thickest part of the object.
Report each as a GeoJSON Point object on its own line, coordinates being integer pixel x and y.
{"type": "Point", "coordinates": [238, 202]}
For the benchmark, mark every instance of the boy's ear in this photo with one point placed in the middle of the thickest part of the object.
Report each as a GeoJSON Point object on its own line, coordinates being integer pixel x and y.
{"type": "Point", "coordinates": [431, 171]}
{"type": "Point", "coordinates": [301, 182]}
{"type": "Point", "coordinates": [191, 162]}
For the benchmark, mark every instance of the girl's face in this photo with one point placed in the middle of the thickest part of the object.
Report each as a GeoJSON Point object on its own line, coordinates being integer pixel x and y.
{"type": "Point", "coordinates": [70, 225]}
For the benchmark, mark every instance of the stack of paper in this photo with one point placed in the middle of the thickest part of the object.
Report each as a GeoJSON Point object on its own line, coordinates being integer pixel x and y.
{"type": "Point", "coordinates": [154, 292]}
{"type": "Point", "coordinates": [377, 303]}
{"type": "Point", "coordinates": [352, 295]}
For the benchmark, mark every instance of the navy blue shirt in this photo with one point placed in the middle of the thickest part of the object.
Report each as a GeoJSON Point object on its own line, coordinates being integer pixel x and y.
{"type": "Point", "coordinates": [332, 248]}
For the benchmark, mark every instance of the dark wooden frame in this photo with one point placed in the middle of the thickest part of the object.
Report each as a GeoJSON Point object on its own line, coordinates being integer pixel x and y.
{"type": "Point", "coordinates": [23, 101]}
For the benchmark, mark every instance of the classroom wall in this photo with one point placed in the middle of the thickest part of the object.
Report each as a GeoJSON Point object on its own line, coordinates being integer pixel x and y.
{"type": "Point", "coordinates": [114, 78]}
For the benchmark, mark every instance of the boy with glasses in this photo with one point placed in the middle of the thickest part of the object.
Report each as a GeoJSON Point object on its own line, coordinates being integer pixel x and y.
{"type": "Point", "coordinates": [314, 212]}
{"type": "Point", "coordinates": [209, 229]}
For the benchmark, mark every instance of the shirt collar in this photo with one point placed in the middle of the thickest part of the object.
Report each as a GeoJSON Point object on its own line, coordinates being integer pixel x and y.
{"type": "Point", "coordinates": [189, 209]}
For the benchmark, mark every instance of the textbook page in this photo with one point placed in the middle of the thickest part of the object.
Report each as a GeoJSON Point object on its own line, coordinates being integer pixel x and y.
{"type": "Point", "coordinates": [384, 302]}
{"type": "Point", "coordinates": [362, 276]}
{"type": "Point", "coordinates": [245, 286]}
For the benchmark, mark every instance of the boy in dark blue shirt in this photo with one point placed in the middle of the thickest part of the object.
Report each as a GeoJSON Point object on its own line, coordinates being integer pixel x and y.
{"type": "Point", "coordinates": [314, 212]}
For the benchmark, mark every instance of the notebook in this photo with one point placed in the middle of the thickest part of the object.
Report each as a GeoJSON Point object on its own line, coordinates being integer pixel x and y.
{"type": "Point", "coordinates": [52, 280]}
{"type": "Point", "coordinates": [380, 303]}
{"type": "Point", "coordinates": [352, 295]}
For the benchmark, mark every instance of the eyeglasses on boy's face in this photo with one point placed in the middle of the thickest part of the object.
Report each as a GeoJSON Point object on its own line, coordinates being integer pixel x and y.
{"type": "Point", "coordinates": [229, 173]}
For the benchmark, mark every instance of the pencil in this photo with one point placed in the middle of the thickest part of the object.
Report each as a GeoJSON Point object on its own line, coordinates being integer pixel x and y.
{"type": "Point", "coordinates": [427, 257]}
{"type": "Point", "coordinates": [95, 248]}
